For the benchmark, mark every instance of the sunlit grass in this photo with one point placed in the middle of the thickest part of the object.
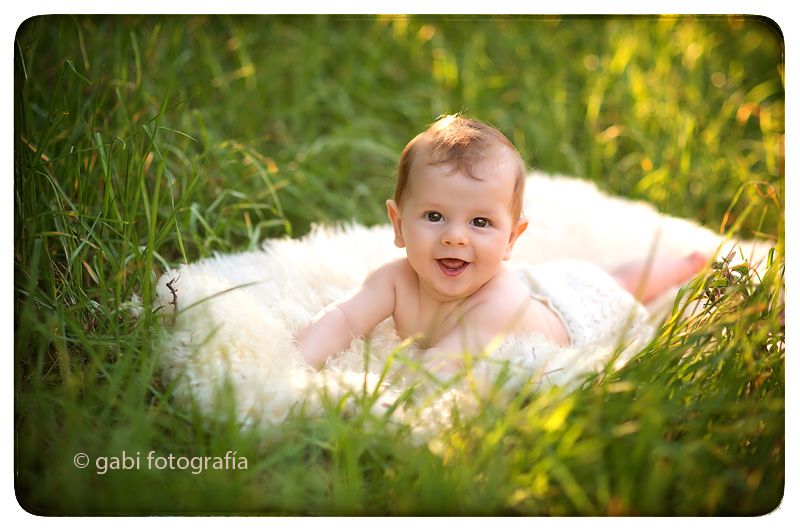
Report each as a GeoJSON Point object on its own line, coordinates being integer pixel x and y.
{"type": "Point", "coordinates": [144, 142]}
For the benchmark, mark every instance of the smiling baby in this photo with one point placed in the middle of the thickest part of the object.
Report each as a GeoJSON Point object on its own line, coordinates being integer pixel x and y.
{"type": "Point", "coordinates": [457, 211]}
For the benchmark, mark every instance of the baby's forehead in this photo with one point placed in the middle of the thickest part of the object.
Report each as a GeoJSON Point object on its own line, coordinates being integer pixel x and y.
{"type": "Point", "coordinates": [501, 158]}
{"type": "Point", "coordinates": [488, 173]}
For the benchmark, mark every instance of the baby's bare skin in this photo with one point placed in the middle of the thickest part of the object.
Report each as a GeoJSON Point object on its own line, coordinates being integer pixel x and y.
{"type": "Point", "coordinates": [446, 330]}
{"type": "Point", "coordinates": [443, 330]}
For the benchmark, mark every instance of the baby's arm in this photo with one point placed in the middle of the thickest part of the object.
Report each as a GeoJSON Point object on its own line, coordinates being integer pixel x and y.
{"type": "Point", "coordinates": [351, 316]}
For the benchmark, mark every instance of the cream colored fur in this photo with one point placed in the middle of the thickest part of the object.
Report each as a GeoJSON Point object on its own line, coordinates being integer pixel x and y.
{"type": "Point", "coordinates": [241, 339]}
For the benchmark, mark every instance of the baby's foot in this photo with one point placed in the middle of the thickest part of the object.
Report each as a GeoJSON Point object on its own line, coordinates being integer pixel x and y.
{"type": "Point", "coordinates": [669, 273]}
{"type": "Point", "coordinates": [695, 262]}
{"type": "Point", "coordinates": [648, 280]}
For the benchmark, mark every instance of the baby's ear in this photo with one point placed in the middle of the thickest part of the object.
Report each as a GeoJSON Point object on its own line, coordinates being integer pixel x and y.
{"type": "Point", "coordinates": [394, 217]}
{"type": "Point", "coordinates": [516, 231]}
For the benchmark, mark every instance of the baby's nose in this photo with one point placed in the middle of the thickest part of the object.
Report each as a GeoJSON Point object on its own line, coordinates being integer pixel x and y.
{"type": "Point", "coordinates": [454, 236]}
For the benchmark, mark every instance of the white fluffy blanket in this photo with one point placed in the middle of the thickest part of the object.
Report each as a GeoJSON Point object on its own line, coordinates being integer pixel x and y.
{"type": "Point", "coordinates": [238, 314]}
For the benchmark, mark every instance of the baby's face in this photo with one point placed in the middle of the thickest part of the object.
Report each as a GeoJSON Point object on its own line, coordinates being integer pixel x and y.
{"type": "Point", "coordinates": [457, 230]}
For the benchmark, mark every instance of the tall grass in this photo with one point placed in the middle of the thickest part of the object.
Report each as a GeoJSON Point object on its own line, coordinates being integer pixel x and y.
{"type": "Point", "coordinates": [142, 142]}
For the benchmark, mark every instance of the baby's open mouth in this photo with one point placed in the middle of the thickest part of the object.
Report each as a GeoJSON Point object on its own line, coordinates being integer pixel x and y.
{"type": "Point", "coordinates": [453, 266]}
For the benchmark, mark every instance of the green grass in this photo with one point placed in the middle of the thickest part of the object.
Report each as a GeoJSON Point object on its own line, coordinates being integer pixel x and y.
{"type": "Point", "coordinates": [146, 142]}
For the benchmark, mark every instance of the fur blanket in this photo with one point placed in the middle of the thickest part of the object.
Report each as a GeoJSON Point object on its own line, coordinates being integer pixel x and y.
{"type": "Point", "coordinates": [238, 314]}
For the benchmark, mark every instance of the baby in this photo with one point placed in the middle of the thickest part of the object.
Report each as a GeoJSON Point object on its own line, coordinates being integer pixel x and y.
{"type": "Point", "coordinates": [457, 210]}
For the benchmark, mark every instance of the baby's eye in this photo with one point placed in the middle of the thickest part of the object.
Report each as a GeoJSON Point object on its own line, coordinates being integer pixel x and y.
{"type": "Point", "coordinates": [481, 222]}
{"type": "Point", "coordinates": [433, 217]}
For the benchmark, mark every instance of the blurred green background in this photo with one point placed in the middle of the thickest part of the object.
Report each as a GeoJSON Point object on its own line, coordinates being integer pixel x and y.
{"type": "Point", "coordinates": [299, 119]}
{"type": "Point", "coordinates": [141, 142]}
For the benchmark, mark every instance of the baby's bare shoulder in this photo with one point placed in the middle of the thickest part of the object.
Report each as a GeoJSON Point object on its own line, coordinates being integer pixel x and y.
{"type": "Point", "coordinates": [398, 270]}
{"type": "Point", "coordinates": [396, 276]}
{"type": "Point", "coordinates": [511, 307]}
{"type": "Point", "coordinates": [403, 280]}
{"type": "Point", "coordinates": [388, 271]}
{"type": "Point", "coordinates": [508, 300]}
{"type": "Point", "coordinates": [504, 297]}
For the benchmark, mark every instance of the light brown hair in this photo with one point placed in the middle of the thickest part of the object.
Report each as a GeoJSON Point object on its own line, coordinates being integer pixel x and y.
{"type": "Point", "coordinates": [462, 142]}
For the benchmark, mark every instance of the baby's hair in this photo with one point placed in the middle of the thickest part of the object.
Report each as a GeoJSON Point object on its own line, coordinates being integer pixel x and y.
{"type": "Point", "coordinates": [462, 142]}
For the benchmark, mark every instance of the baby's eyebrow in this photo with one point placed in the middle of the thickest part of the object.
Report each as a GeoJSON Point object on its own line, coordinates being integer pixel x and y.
{"type": "Point", "coordinates": [430, 205]}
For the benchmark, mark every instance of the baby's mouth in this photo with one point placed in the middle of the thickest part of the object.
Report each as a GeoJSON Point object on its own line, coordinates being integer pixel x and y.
{"type": "Point", "coordinates": [453, 266]}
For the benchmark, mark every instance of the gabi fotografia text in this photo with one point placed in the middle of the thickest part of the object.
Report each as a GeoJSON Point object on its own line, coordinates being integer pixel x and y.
{"type": "Point", "coordinates": [196, 464]}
